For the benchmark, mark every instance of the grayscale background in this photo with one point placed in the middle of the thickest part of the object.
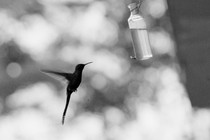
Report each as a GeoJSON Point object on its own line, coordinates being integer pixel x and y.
{"type": "Point", "coordinates": [119, 98]}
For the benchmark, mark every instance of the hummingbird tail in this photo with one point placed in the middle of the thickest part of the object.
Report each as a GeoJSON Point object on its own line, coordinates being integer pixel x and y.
{"type": "Point", "coordinates": [63, 118]}
{"type": "Point", "coordinates": [66, 106]}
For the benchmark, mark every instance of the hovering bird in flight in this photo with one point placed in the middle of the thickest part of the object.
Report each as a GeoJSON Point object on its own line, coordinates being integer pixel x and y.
{"type": "Point", "coordinates": [74, 79]}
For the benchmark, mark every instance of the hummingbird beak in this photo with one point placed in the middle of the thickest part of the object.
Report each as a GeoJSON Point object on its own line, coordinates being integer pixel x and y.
{"type": "Point", "coordinates": [88, 63]}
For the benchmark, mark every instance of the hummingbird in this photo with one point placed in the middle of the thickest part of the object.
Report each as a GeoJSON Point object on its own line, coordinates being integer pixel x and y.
{"type": "Point", "coordinates": [74, 79]}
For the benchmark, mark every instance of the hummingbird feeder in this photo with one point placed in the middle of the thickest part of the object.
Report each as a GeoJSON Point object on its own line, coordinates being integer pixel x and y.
{"type": "Point", "coordinates": [139, 34]}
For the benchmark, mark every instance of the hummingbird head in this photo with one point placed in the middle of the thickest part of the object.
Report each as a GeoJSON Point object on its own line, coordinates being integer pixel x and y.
{"type": "Point", "coordinates": [81, 66]}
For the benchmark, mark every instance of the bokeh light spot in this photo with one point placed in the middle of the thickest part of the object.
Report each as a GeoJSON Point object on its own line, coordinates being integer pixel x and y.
{"type": "Point", "coordinates": [98, 81]}
{"type": "Point", "coordinates": [162, 43]}
{"type": "Point", "coordinates": [157, 8]}
{"type": "Point", "coordinates": [14, 69]}
{"type": "Point", "coordinates": [114, 115]}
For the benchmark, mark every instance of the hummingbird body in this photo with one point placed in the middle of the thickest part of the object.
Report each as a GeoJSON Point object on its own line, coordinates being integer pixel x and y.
{"type": "Point", "coordinates": [74, 80]}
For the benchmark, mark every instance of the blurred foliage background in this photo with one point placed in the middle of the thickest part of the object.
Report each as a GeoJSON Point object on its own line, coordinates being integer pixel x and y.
{"type": "Point", "coordinates": [119, 98]}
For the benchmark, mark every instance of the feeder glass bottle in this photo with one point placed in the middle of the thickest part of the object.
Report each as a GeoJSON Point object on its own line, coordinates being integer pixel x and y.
{"type": "Point", "coordinates": [137, 25]}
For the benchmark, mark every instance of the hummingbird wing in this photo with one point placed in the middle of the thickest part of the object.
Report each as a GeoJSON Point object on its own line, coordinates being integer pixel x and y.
{"type": "Point", "coordinates": [66, 106]}
{"type": "Point", "coordinates": [62, 74]}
